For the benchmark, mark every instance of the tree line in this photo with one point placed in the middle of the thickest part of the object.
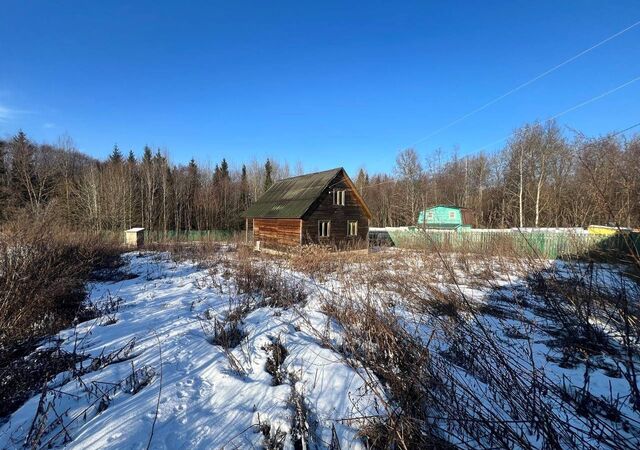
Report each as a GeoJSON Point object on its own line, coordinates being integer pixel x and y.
{"type": "Point", "coordinates": [540, 178]}
{"type": "Point", "coordinates": [124, 191]}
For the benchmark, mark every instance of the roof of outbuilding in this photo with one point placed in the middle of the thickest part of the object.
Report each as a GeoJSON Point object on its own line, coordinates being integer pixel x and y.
{"type": "Point", "coordinates": [446, 206]}
{"type": "Point", "coordinates": [292, 197]}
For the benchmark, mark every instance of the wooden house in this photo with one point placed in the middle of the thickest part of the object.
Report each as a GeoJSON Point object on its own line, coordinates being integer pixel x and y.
{"type": "Point", "coordinates": [446, 217]}
{"type": "Point", "coordinates": [317, 208]}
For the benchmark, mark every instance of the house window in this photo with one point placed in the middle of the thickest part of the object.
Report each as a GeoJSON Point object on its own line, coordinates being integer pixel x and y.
{"type": "Point", "coordinates": [429, 215]}
{"type": "Point", "coordinates": [324, 228]}
{"type": "Point", "coordinates": [452, 215]}
{"type": "Point", "coordinates": [338, 197]}
{"type": "Point", "coordinates": [352, 227]}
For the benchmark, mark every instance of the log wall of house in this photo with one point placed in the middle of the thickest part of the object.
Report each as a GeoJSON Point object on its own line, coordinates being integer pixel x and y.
{"type": "Point", "coordinates": [324, 209]}
{"type": "Point", "coordinates": [277, 231]}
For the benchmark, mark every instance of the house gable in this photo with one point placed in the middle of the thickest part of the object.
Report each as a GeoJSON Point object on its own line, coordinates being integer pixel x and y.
{"type": "Point", "coordinates": [339, 216]}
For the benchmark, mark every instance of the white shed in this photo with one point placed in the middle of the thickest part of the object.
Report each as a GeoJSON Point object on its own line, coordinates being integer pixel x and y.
{"type": "Point", "coordinates": [134, 237]}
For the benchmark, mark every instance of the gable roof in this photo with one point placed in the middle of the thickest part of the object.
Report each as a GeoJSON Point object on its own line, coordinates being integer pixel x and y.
{"type": "Point", "coordinates": [292, 197]}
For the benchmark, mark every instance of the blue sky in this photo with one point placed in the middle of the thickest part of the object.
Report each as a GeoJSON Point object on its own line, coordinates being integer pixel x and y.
{"type": "Point", "coordinates": [325, 83]}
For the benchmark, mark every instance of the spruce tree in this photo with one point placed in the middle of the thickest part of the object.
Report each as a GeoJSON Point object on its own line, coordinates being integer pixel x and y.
{"type": "Point", "coordinates": [3, 182]}
{"type": "Point", "coordinates": [158, 157]}
{"type": "Point", "coordinates": [116, 155]}
{"type": "Point", "coordinates": [244, 188]}
{"type": "Point", "coordinates": [147, 155]}
{"type": "Point", "coordinates": [216, 174]}
{"type": "Point", "coordinates": [224, 169]}
{"type": "Point", "coordinates": [192, 193]}
{"type": "Point", "coordinates": [132, 158]}
{"type": "Point", "coordinates": [22, 175]}
{"type": "Point", "coordinates": [361, 180]}
{"type": "Point", "coordinates": [268, 176]}
{"type": "Point", "coordinates": [3, 165]}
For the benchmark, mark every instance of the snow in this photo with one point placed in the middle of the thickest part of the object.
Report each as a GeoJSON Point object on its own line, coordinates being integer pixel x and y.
{"type": "Point", "coordinates": [203, 400]}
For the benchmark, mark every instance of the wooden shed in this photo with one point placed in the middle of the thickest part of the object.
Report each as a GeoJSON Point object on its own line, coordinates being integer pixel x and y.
{"type": "Point", "coordinates": [317, 208]}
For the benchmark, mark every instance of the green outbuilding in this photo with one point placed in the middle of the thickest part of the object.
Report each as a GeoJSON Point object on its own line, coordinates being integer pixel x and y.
{"type": "Point", "coordinates": [446, 217]}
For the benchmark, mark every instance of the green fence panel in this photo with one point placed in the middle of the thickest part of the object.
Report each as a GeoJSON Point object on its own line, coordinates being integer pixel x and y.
{"type": "Point", "coordinates": [539, 243]}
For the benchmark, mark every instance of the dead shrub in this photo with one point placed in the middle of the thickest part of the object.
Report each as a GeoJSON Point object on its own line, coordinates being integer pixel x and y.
{"type": "Point", "coordinates": [315, 261]}
{"type": "Point", "coordinates": [377, 340]}
{"type": "Point", "coordinates": [277, 354]}
{"type": "Point", "coordinates": [270, 283]}
{"type": "Point", "coordinates": [207, 252]}
{"type": "Point", "coordinates": [20, 377]}
{"type": "Point", "coordinates": [42, 279]}
{"type": "Point", "coordinates": [226, 334]}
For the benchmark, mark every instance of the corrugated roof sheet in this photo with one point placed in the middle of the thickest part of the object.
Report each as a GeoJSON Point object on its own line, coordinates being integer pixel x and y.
{"type": "Point", "coordinates": [291, 198]}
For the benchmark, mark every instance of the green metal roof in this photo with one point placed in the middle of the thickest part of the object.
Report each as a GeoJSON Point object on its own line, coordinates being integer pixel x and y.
{"type": "Point", "coordinates": [292, 197]}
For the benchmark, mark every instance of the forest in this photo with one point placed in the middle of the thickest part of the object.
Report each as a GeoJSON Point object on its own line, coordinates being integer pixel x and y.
{"type": "Point", "coordinates": [542, 177]}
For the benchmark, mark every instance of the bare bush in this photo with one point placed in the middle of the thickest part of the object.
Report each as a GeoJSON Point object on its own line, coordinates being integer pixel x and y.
{"type": "Point", "coordinates": [270, 282]}
{"type": "Point", "coordinates": [274, 365]}
{"type": "Point", "coordinates": [460, 384]}
{"type": "Point", "coordinates": [42, 278]}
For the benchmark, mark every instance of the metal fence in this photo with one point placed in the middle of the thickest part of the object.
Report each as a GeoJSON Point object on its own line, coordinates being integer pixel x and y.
{"type": "Point", "coordinates": [188, 236]}
{"type": "Point", "coordinates": [177, 235]}
{"type": "Point", "coordinates": [543, 244]}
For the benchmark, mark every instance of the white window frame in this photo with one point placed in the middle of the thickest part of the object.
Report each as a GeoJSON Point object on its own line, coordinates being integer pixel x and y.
{"type": "Point", "coordinates": [339, 196]}
{"type": "Point", "coordinates": [324, 228]}
{"type": "Point", "coordinates": [355, 228]}
{"type": "Point", "coordinates": [452, 214]}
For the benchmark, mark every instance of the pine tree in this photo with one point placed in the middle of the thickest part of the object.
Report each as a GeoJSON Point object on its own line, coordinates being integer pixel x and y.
{"type": "Point", "coordinates": [116, 155]}
{"type": "Point", "coordinates": [268, 176]}
{"type": "Point", "coordinates": [132, 158]}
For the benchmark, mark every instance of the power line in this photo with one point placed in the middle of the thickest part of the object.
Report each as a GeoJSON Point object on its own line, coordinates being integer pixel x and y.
{"type": "Point", "coordinates": [526, 83]}
{"type": "Point", "coordinates": [566, 111]}
{"type": "Point", "coordinates": [470, 154]}
{"type": "Point", "coordinates": [626, 129]}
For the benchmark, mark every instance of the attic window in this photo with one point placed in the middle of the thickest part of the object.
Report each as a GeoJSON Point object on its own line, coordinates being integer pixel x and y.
{"type": "Point", "coordinates": [324, 228]}
{"type": "Point", "coordinates": [338, 197]}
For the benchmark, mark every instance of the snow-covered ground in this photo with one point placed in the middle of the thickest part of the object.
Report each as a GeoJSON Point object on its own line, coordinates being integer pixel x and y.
{"type": "Point", "coordinates": [154, 378]}
{"type": "Point", "coordinates": [201, 401]}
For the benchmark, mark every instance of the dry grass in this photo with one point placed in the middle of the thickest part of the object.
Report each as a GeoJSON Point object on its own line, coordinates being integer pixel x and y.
{"type": "Point", "coordinates": [43, 272]}
{"type": "Point", "coordinates": [428, 400]}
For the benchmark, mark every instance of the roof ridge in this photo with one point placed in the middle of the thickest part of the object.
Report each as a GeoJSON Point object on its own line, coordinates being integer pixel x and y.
{"type": "Point", "coordinates": [310, 173]}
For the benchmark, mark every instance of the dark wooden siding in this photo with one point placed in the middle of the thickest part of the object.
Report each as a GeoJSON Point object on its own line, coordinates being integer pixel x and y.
{"type": "Point", "coordinates": [324, 209]}
{"type": "Point", "coordinates": [277, 231]}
